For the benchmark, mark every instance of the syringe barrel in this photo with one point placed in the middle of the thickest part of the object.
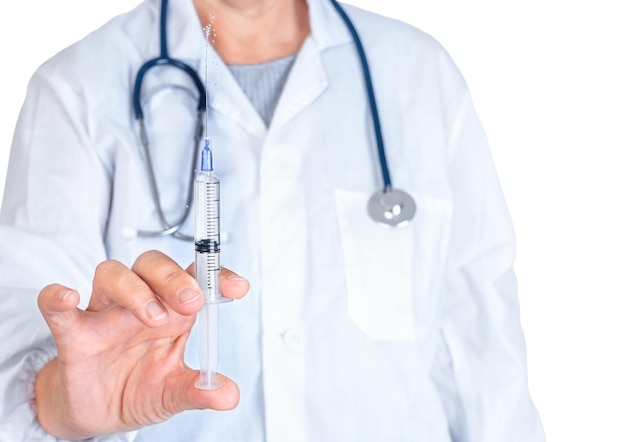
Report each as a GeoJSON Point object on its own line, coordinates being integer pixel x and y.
{"type": "Point", "coordinates": [207, 234]}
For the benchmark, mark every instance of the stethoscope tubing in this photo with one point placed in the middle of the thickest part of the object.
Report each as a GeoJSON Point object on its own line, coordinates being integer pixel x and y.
{"type": "Point", "coordinates": [380, 144]}
{"type": "Point", "coordinates": [165, 60]}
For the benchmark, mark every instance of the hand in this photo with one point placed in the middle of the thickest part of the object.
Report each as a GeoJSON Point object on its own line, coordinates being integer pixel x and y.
{"type": "Point", "coordinates": [120, 362]}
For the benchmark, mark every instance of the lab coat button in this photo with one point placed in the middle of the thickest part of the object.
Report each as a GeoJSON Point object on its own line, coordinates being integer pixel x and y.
{"type": "Point", "coordinates": [293, 339]}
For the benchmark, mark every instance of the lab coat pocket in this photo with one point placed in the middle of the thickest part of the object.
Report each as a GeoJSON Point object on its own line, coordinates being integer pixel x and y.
{"type": "Point", "coordinates": [378, 263]}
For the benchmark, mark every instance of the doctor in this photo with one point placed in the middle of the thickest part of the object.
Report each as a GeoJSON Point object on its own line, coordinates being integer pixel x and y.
{"type": "Point", "coordinates": [349, 332]}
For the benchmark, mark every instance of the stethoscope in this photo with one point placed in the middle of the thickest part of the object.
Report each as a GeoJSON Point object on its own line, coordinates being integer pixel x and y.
{"type": "Point", "coordinates": [388, 206]}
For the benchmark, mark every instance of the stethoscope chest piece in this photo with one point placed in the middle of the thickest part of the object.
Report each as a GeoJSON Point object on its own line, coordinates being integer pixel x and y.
{"type": "Point", "coordinates": [391, 207]}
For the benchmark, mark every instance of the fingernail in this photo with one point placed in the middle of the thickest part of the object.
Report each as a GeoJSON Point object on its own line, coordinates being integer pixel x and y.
{"type": "Point", "coordinates": [188, 296]}
{"type": "Point", "coordinates": [65, 294]}
{"type": "Point", "coordinates": [155, 311]}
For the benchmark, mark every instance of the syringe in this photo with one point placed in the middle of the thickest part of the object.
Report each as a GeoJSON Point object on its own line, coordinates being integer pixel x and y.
{"type": "Point", "coordinates": [207, 240]}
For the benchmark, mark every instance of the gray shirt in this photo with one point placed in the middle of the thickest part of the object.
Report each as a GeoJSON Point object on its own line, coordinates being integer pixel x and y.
{"type": "Point", "coordinates": [263, 83]}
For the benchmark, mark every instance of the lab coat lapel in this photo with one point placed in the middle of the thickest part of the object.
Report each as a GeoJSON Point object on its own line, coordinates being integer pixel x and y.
{"type": "Point", "coordinates": [306, 81]}
{"type": "Point", "coordinates": [228, 99]}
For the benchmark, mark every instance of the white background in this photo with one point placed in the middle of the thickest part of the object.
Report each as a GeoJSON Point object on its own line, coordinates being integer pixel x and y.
{"type": "Point", "coordinates": [548, 79]}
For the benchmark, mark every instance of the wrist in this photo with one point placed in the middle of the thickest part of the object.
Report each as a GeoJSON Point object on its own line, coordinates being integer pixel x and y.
{"type": "Point", "coordinates": [51, 412]}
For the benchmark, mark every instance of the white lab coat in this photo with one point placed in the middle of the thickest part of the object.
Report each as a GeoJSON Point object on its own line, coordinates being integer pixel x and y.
{"type": "Point", "coordinates": [350, 332]}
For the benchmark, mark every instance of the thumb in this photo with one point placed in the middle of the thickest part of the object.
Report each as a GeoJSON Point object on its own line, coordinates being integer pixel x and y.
{"type": "Point", "coordinates": [190, 397]}
{"type": "Point", "coordinates": [58, 305]}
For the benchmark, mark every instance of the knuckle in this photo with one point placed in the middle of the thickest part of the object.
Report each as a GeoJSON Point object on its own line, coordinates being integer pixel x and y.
{"type": "Point", "coordinates": [137, 294]}
{"type": "Point", "coordinates": [47, 293]}
{"type": "Point", "coordinates": [146, 258]}
{"type": "Point", "coordinates": [47, 289]}
{"type": "Point", "coordinates": [44, 295]}
{"type": "Point", "coordinates": [107, 268]}
{"type": "Point", "coordinates": [116, 283]}
{"type": "Point", "coordinates": [176, 277]}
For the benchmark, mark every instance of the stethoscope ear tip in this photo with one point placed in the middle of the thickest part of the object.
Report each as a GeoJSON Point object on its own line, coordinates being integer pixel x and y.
{"type": "Point", "coordinates": [391, 207]}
